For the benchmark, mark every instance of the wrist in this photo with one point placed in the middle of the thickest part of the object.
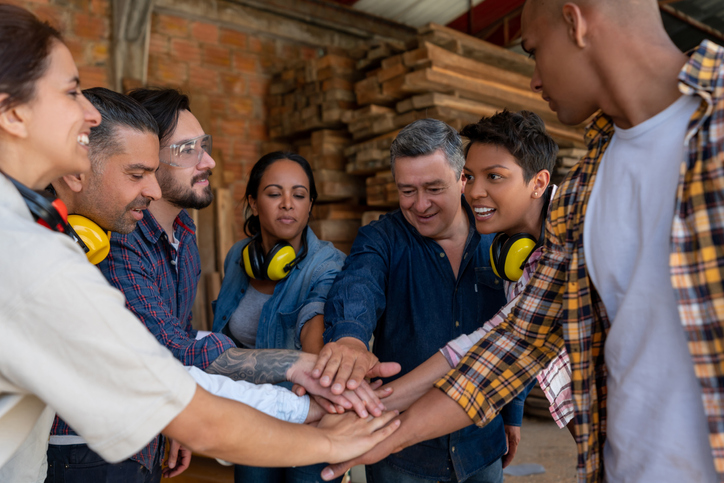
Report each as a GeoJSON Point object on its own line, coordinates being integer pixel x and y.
{"type": "Point", "coordinates": [303, 363]}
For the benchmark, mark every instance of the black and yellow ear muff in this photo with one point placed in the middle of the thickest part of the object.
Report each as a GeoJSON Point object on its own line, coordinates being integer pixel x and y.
{"type": "Point", "coordinates": [276, 264]}
{"type": "Point", "coordinates": [92, 238]}
{"type": "Point", "coordinates": [509, 254]}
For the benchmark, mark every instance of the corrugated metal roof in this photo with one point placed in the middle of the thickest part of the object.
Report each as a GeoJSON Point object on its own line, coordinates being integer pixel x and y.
{"type": "Point", "coordinates": [416, 13]}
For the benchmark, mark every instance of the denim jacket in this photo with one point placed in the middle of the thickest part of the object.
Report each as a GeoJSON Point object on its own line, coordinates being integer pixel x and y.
{"type": "Point", "coordinates": [296, 299]}
{"type": "Point", "coordinates": [400, 286]}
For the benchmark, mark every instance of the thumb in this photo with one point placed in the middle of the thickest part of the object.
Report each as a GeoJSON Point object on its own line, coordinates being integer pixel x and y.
{"type": "Point", "coordinates": [384, 369]}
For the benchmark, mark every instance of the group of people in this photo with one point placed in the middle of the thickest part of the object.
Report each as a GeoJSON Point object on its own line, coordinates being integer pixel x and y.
{"type": "Point", "coordinates": [606, 291]}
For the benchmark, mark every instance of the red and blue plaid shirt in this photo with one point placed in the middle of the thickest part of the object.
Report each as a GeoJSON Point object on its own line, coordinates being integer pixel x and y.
{"type": "Point", "coordinates": [159, 284]}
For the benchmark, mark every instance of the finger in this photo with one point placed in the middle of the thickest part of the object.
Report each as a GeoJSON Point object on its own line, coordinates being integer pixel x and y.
{"type": "Point", "coordinates": [340, 409]}
{"type": "Point", "coordinates": [375, 384]}
{"type": "Point", "coordinates": [326, 405]}
{"type": "Point", "coordinates": [361, 367]}
{"type": "Point", "coordinates": [377, 423]}
{"type": "Point", "coordinates": [173, 454]}
{"type": "Point", "coordinates": [343, 373]}
{"type": "Point", "coordinates": [358, 404]}
{"type": "Point", "coordinates": [384, 392]}
{"type": "Point", "coordinates": [299, 390]}
{"type": "Point", "coordinates": [384, 369]}
{"type": "Point", "coordinates": [335, 471]}
{"type": "Point", "coordinates": [330, 370]}
{"type": "Point", "coordinates": [370, 399]}
{"type": "Point", "coordinates": [384, 433]}
{"type": "Point", "coordinates": [322, 359]}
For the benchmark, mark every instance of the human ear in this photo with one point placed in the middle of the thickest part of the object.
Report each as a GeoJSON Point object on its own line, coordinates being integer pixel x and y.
{"type": "Point", "coordinates": [252, 205]}
{"type": "Point", "coordinates": [74, 181]}
{"type": "Point", "coordinates": [13, 120]}
{"type": "Point", "coordinates": [464, 180]}
{"type": "Point", "coordinates": [539, 183]}
{"type": "Point", "coordinates": [576, 25]}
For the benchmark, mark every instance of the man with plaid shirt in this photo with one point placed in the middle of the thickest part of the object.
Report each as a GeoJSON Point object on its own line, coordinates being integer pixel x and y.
{"type": "Point", "coordinates": [630, 279]}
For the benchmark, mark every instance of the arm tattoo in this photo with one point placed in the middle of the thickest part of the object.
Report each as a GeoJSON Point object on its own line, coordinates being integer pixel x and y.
{"type": "Point", "coordinates": [260, 366]}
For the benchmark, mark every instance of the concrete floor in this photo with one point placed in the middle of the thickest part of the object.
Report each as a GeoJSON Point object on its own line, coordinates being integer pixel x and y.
{"type": "Point", "coordinates": [541, 442]}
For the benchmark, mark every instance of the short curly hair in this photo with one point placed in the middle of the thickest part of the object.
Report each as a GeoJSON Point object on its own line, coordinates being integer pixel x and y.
{"type": "Point", "coordinates": [522, 133]}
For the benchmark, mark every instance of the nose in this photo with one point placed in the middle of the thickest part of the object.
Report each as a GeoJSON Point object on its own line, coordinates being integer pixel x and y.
{"type": "Point", "coordinates": [536, 84]}
{"type": "Point", "coordinates": [475, 191]}
{"type": "Point", "coordinates": [422, 203]}
{"type": "Point", "coordinates": [152, 189]}
{"type": "Point", "coordinates": [91, 114]}
{"type": "Point", "coordinates": [207, 162]}
{"type": "Point", "coordinates": [286, 201]}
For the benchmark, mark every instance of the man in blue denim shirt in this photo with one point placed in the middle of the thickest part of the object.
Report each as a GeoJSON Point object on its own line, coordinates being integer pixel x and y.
{"type": "Point", "coordinates": [416, 279]}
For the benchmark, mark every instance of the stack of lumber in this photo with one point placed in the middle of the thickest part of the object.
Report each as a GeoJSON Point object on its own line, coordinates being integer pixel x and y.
{"type": "Point", "coordinates": [445, 75]}
{"type": "Point", "coordinates": [567, 158]}
{"type": "Point", "coordinates": [338, 223]}
{"type": "Point", "coordinates": [382, 190]}
{"type": "Point", "coordinates": [312, 94]}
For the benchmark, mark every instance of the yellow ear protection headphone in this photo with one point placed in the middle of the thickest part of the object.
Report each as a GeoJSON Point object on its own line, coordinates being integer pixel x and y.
{"type": "Point", "coordinates": [509, 254]}
{"type": "Point", "coordinates": [52, 213]}
{"type": "Point", "coordinates": [274, 265]}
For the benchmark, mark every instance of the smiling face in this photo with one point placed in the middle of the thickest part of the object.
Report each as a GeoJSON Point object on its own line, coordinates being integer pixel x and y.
{"type": "Point", "coordinates": [429, 193]}
{"type": "Point", "coordinates": [563, 73]}
{"type": "Point", "coordinates": [124, 184]}
{"type": "Point", "coordinates": [498, 194]}
{"type": "Point", "coordinates": [282, 203]}
{"type": "Point", "coordinates": [186, 187]}
{"type": "Point", "coordinates": [59, 119]}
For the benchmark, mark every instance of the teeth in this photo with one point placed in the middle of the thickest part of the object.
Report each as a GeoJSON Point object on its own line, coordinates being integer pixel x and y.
{"type": "Point", "coordinates": [484, 211]}
{"type": "Point", "coordinates": [83, 139]}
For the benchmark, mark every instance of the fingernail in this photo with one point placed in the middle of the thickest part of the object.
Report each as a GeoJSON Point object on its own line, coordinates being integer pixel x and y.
{"type": "Point", "coordinates": [327, 474]}
{"type": "Point", "coordinates": [337, 387]}
{"type": "Point", "coordinates": [324, 380]}
{"type": "Point", "coordinates": [315, 373]}
{"type": "Point", "coordinates": [364, 414]}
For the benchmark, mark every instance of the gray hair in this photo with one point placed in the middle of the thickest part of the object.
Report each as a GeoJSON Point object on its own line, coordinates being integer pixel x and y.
{"type": "Point", "coordinates": [425, 136]}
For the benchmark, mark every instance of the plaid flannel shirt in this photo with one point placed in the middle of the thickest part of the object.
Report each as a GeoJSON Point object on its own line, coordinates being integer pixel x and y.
{"type": "Point", "coordinates": [560, 307]}
{"type": "Point", "coordinates": [159, 284]}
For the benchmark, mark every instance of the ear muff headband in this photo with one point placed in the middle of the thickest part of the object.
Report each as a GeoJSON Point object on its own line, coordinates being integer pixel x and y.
{"type": "Point", "coordinates": [51, 213]}
{"type": "Point", "coordinates": [509, 254]}
{"type": "Point", "coordinates": [95, 241]}
{"type": "Point", "coordinates": [276, 264]}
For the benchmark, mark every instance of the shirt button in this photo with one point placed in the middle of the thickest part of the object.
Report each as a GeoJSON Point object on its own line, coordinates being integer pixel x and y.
{"type": "Point", "coordinates": [465, 256]}
{"type": "Point", "coordinates": [442, 254]}
{"type": "Point", "coordinates": [453, 449]}
{"type": "Point", "coordinates": [497, 281]}
{"type": "Point", "coordinates": [457, 324]}
{"type": "Point", "coordinates": [173, 262]}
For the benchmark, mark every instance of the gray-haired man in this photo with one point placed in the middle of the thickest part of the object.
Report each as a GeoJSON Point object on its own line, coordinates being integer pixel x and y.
{"type": "Point", "coordinates": [418, 278]}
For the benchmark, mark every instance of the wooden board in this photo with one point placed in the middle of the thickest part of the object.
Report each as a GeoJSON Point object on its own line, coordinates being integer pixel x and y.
{"type": "Point", "coordinates": [223, 225]}
{"type": "Point", "coordinates": [335, 230]}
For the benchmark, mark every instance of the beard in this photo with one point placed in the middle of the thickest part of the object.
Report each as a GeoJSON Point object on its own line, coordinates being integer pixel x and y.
{"type": "Point", "coordinates": [185, 197]}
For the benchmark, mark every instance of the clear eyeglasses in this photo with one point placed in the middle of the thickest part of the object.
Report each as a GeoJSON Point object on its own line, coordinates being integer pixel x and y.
{"type": "Point", "coordinates": [188, 153]}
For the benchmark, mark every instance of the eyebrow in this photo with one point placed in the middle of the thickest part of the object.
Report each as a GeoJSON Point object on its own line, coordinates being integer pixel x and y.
{"type": "Point", "coordinates": [75, 80]}
{"type": "Point", "coordinates": [139, 166]}
{"type": "Point", "coordinates": [429, 183]}
{"type": "Point", "coordinates": [280, 186]}
{"type": "Point", "coordinates": [184, 141]}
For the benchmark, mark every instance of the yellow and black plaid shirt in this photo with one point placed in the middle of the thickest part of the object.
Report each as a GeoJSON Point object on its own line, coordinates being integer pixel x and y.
{"type": "Point", "coordinates": [561, 307]}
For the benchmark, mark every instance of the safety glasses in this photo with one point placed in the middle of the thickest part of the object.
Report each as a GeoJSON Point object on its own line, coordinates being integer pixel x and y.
{"type": "Point", "coordinates": [186, 154]}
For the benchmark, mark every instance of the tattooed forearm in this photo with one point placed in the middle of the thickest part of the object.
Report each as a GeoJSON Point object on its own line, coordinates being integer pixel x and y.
{"type": "Point", "coordinates": [260, 366]}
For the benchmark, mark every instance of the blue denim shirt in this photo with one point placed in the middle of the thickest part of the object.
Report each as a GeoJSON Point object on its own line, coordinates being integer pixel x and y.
{"type": "Point", "coordinates": [296, 299]}
{"type": "Point", "coordinates": [400, 286]}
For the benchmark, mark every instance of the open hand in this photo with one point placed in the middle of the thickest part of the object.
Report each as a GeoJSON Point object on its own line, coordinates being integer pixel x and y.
{"type": "Point", "coordinates": [351, 436]}
{"type": "Point", "coordinates": [179, 458]}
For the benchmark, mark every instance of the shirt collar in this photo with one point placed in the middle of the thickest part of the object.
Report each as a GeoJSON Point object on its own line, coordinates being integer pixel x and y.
{"type": "Point", "coordinates": [153, 231]}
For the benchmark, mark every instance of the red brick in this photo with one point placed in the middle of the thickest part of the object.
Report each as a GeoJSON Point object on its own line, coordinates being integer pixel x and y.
{"type": "Point", "coordinates": [90, 27]}
{"type": "Point", "coordinates": [308, 53]}
{"type": "Point", "coordinates": [205, 80]}
{"type": "Point", "coordinates": [223, 144]}
{"type": "Point", "coordinates": [205, 32]}
{"type": "Point", "coordinates": [244, 62]}
{"type": "Point", "coordinates": [240, 106]}
{"type": "Point", "coordinates": [91, 76]}
{"type": "Point", "coordinates": [246, 151]}
{"type": "Point", "coordinates": [233, 38]}
{"type": "Point", "coordinates": [99, 53]}
{"type": "Point", "coordinates": [214, 55]}
{"type": "Point", "coordinates": [169, 71]}
{"type": "Point", "coordinates": [217, 105]}
{"type": "Point", "coordinates": [100, 7]}
{"type": "Point", "coordinates": [185, 50]}
{"type": "Point", "coordinates": [255, 45]}
{"type": "Point", "coordinates": [55, 16]}
{"type": "Point", "coordinates": [233, 84]}
{"type": "Point", "coordinates": [258, 86]}
{"type": "Point", "coordinates": [258, 131]}
{"type": "Point", "coordinates": [170, 25]}
{"type": "Point", "coordinates": [236, 128]}
{"type": "Point", "coordinates": [159, 44]}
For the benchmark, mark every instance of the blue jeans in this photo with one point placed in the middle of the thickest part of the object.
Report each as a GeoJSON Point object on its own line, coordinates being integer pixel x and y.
{"type": "Point", "coordinates": [382, 472]}
{"type": "Point", "coordinates": [300, 474]}
{"type": "Point", "coordinates": [76, 463]}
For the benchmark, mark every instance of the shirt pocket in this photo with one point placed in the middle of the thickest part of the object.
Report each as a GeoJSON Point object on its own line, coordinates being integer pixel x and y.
{"type": "Point", "coordinates": [286, 338]}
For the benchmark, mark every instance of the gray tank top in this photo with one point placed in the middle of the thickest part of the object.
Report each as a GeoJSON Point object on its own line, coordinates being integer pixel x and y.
{"type": "Point", "coordinates": [245, 319]}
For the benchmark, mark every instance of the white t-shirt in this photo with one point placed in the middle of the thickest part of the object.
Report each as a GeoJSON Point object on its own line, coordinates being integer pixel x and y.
{"type": "Point", "coordinates": [656, 426]}
{"type": "Point", "coordinates": [68, 339]}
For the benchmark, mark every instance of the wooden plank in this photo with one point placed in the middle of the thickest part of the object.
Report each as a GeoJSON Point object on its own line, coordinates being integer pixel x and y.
{"type": "Point", "coordinates": [335, 230]}
{"type": "Point", "coordinates": [213, 287]}
{"type": "Point", "coordinates": [370, 216]}
{"type": "Point", "coordinates": [337, 211]}
{"type": "Point", "coordinates": [224, 225]}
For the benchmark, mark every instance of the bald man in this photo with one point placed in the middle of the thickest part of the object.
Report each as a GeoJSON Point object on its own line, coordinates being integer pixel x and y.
{"type": "Point", "coordinates": [630, 280]}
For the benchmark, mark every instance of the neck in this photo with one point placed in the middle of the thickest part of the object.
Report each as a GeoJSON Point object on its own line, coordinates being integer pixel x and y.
{"type": "Point", "coordinates": [641, 82]}
{"type": "Point", "coordinates": [15, 165]}
{"type": "Point", "coordinates": [165, 214]}
{"type": "Point", "coordinates": [459, 229]}
{"type": "Point", "coordinates": [267, 242]}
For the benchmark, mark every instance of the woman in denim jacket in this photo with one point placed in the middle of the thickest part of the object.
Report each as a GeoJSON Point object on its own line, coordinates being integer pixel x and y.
{"type": "Point", "coordinates": [276, 281]}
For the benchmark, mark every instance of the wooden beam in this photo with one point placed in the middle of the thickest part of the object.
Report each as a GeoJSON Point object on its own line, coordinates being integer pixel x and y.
{"type": "Point", "coordinates": [678, 14]}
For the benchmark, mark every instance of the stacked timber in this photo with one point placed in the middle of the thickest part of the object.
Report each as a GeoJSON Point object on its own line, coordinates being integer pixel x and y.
{"type": "Point", "coordinates": [311, 94]}
{"type": "Point", "coordinates": [382, 190]}
{"type": "Point", "coordinates": [567, 158]}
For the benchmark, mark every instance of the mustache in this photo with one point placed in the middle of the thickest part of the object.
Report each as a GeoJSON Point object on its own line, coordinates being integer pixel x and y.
{"type": "Point", "coordinates": [201, 177]}
{"type": "Point", "coordinates": [139, 204]}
